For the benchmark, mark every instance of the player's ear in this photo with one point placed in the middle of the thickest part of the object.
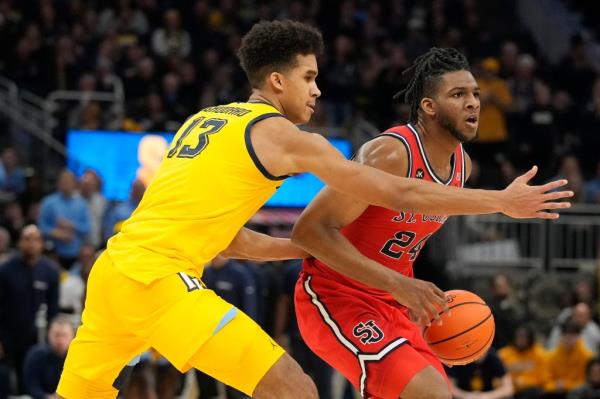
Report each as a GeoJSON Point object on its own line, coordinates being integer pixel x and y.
{"type": "Point", "coordinates": [276, 81]}
{"type": "Point", "coordinates": [428, 106]}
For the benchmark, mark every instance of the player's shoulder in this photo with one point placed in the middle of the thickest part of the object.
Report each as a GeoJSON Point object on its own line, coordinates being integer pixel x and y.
{"type": "Point", "coordinates": [385, 152]}
{"type": "Point", "coordinates": [273, 123]}
{"type": "Point", "coordinates": [287, 136]}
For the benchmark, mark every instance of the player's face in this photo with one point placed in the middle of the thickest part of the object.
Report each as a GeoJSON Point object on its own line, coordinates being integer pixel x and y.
{"type": "Point", "coordinates": [300, 91]}
{"type": "Point", "coordinates": [458, 106]}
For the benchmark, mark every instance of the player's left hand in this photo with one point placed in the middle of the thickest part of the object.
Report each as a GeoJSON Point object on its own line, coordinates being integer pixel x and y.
{"type": "Point", "coordinates": [424, 300]}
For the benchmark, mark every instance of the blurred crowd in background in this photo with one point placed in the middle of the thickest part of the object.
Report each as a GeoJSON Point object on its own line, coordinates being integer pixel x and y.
{"type": "Point", "coordinates": [172, 58]}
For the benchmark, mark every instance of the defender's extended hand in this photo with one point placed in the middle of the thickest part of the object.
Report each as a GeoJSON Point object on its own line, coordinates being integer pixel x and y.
{"type": "Point", "coordinates": [523, 201]}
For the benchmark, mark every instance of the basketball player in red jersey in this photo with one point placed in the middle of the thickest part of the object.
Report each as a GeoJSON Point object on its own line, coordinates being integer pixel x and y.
{"type": "Point", "coordinates": [352, 311]}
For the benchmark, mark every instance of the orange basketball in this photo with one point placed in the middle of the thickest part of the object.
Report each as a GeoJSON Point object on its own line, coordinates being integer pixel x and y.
{"type": "Point", "coordinates": [466, 334]}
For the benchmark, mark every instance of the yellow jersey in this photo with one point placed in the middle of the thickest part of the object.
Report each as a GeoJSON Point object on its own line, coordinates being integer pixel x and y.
{"type": "Point", "coordinates": [210, 182]}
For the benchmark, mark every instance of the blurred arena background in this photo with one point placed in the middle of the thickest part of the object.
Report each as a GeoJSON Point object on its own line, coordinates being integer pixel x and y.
{"type": "Point", "coordinates": [92, 91]}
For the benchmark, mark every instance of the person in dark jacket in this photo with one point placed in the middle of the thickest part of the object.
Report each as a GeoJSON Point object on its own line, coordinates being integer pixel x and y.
{"type": "Point", "coordinates": [28, 298]}
{"type": "Point", "coordinates": [44, 362]}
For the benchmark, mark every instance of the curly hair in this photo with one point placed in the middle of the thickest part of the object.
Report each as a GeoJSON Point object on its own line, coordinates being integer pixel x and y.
{"type": "Point", "coordinates": [425, 73]}
{"type": "Point", "coordinates": [273, 46]}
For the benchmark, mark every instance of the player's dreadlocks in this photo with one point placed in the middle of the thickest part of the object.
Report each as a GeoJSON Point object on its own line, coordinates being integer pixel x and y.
{"type": "Point", "coordinates": [426, 72]}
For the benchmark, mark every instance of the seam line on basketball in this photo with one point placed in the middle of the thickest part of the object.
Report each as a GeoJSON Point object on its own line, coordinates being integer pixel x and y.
{"type": "Point", "coordinates": [485, 346]}
{"type": "Point", "coordinates": [455, 306]}
{"type": "Point", "coordinates": [462, 332]}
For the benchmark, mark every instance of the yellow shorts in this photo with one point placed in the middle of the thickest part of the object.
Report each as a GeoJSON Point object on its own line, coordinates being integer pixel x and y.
{"type": "Point", "coordinates": [188, 324]}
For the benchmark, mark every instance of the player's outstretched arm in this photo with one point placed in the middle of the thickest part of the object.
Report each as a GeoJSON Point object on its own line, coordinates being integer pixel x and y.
{"type": "Point", "coordinates": [318, 230]}
{"type": "Point", "coordinates": [251, 245]}
{"type": "Point", "coordinates": [283, 149]}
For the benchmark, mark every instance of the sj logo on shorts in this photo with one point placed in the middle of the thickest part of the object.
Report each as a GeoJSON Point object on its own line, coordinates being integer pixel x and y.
{"type": "Point", "coordinates": [369, 332]}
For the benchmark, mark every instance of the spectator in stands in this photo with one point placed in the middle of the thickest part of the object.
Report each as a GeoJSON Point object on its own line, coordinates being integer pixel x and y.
{"type": "Point", "coordinates": [14, 176]}
{"type": "Point", "coordinates": [339, 80]}
{"type": "Point", "coordinates": [171, 38]}
{"type": "Point", "coordinates": [575, 73]}
{"type": "Point", "coordinates": [508, 314]}
{"type": "Point", "coordinates": [65, 219]}
{"type": "Point", "coordinates": [525, 360]}
{"type": "Point", "coordinates": [521, 84]}
{"type": "Point", "coordinates": [142, 82]}
{"type": "Point", "coordinates": [495, 102]}
{"type": "Point", "coordinates": [538, 134]}
{"type": "Point", "coordinates": [569, 169]}
{"type": "Point", "coordinates": [44, 362]}
{"type": "Point", "coordinates": [5, 374]}
{"type": "Point", "coordinates": [13, 220]}
{"type": "Point", "coordinates": [153, 117]}
{"type": "Point", "coordinates": [66, 66]}
{"type": "Point", "coordinates": [90, 187]}
{"type": "Point", "coordinates": [580, 315]}
{"type": "Point", "coordinates": [72, 286]}
{"type": "Point", "coordinates": [568, 121]}
{"type": "Point", "coordinates": [28, 289]}
{"type": "Point", "coordinates": [566, 363]}
{"type": "Point", "coordinates": [171, 97]}
{"type": "Point", "coordinates": [190, 85]}
{"type": "Point", "coordinates": [508, 59]}
{"type": "Point", "coordinates": [589, 126]}
{"type": "Point", "coordinates": [591, 388]}
{"type": "Point", "coordinates": [117, 215]}
{"type": "Point", "coordinates": [88, 116]}
{"type": "Point", "coordinates": [484, 378]}
{"type": "Point", "coordinates": [126, 21]}
{"type": "Point", "coordinates": [5, 251]}
{"type": "Point", "coordinates": [2, 177]}
{"type": "Point", "coordinates": [585, 291]}
{"type": "Point", "coordinates": [592, 188]}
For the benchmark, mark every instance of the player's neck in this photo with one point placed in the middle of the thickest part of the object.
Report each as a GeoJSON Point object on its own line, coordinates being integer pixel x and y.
{"type": "Point", "coordinates": [262, 96]}
{"type": "Point", "coordinates": [439, 145]}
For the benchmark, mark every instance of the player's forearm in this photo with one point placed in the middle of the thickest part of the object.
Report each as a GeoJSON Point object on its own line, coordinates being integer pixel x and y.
{"type": "Point", "coordinates": [333, 248]}
{"type": "Point", "coordinates": [376, 187]}
{"type": "Point", "coordinates": [425, 197]}
{"type": "Point", "coordinates": [251, 245]}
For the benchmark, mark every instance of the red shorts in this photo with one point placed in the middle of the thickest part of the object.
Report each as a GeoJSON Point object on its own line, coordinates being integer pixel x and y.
{"type": "Point", "coordinates": [371, 342]}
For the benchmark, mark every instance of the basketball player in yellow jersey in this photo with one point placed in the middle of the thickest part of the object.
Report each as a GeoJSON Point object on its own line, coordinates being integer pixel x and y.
{"type": "Point", "coordinates": [146, 290]}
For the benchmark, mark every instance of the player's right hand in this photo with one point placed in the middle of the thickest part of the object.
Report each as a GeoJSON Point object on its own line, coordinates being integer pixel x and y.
{"type": "Point", "coordinates": [522, 201]}
{"type": "Point", "coordinates": [423, 299]}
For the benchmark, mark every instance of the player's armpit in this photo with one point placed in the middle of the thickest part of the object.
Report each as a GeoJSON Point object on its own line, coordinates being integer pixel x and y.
{"type": "Point", "coordinates": [326, 214]}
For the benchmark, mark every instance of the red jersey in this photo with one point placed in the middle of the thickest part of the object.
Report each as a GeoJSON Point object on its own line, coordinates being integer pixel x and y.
{"type": "Point", "coordinates": [394, 239]}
